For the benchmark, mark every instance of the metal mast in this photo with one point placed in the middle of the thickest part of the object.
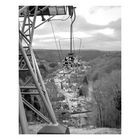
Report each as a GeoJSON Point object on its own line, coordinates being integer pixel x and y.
{"type": "Point", "coordinates": [33, 84]}
{"type": "Point", "coordinates": [71, 27]}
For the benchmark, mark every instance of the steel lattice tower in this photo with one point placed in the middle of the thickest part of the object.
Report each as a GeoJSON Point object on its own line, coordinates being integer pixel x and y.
{"type": "Point", "coordinates": [34, 84]}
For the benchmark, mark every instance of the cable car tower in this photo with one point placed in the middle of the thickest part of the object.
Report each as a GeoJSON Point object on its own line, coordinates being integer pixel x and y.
{"type": "Point", "coordinates": [33, 84]}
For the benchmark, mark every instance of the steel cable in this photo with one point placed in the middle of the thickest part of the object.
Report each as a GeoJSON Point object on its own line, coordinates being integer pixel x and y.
{"type": "Point", "coordinates": [55, 41]}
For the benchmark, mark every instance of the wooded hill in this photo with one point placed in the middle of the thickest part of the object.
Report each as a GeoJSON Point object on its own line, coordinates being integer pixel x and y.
{"type": "Point", "coordinates": [104, 84]}
{"type": "Point", "coordinates": [56, 56]}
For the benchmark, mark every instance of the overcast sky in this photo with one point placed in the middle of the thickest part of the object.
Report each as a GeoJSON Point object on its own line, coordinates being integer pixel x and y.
{"type": "Point", "coordinates": [97, 27]}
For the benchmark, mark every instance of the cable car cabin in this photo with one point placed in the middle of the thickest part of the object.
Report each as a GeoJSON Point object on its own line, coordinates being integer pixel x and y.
{"type": "Point", "coordinates": [71, 61]}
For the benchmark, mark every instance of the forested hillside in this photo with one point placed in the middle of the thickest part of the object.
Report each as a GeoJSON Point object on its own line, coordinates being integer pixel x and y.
{"type": "Point", "coordinates": [104, 87]}
{"type": "Point", "coordinates": [57, 55]}
{"type": "Point", "coordinates": [101, 83]}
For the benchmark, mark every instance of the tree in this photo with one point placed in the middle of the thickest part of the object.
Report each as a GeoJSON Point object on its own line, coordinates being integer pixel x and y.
{"type": "Point", "coordinates": [106, 95]}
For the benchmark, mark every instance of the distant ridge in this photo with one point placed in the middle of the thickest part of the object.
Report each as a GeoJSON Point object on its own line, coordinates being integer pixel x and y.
{"type": "Point", "coordinates": [57, 56]}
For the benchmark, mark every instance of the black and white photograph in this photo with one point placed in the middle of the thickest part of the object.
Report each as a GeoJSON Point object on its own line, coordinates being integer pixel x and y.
{"type": "Point", "coordinates": [69, 69]}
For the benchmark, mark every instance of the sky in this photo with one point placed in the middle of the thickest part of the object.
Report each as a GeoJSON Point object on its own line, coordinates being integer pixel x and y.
{"type": "Point", "coordinates": [95, 27]}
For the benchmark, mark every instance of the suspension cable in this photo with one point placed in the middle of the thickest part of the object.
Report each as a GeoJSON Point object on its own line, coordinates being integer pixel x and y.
{"type": "Point", "coordinates": [80, 46]}
{"type": "Point", "coordinates": [61, 49]}
{"type": "Point", "coordinates": [55, 41]}
{"type": "Point", "coordinates": [73, 42]}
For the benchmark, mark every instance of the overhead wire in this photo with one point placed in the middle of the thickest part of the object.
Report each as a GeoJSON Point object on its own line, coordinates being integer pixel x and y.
{"type": "Point", "coordinates": [61, 53]}
{"type": "Point", "coordinates": [61, 49]}
{"type": "Point", "coordinates": [55, 41]}
{"type": "Point", "coordinates": [73, 42]}
{"type": "Point", "coordinates": [80, 46]}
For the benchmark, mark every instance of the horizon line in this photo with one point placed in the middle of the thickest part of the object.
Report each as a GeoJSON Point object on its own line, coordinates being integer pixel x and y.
{"type": "Point", "coordinates": [78, 50]}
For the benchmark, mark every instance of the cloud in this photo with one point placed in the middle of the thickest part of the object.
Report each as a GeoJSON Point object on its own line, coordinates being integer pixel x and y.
{"type": "Point", "coordinates": [93, 35]}
{"type": "Point", "coordinates": [101, 37]}
{"type": "Point", "coordinates": [94, 9]}
{"type": "Point", "coordinates": [64, 26]}
{"type": "Point", "coordinates": [82, 25]}
{"type": "Point", "coordinates": [57, 26]}
{"type": "Point", "coordinates": [103, 15]}
{"type": "Point", "coordinates": [102, 43]}
{"type": "Point", "coordinates": [116, 25]}
{"type": "Point", "coordinates": [105, 31]}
